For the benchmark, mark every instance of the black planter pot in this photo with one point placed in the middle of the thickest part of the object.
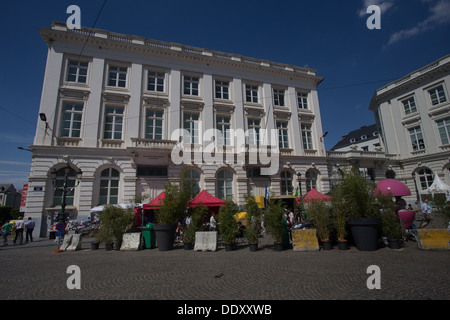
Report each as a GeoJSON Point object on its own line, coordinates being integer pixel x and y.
{"type": "Point", "coordinates": [326, 245]}
{"type": "Point", "coordinates": [165, 236]}
{"type": "Point", "coordinates": [365, 233]}
{"type": "Point", "coordinates": [188, 246]}
{"type": "Point", "coordinates": [94, 245]}
{"type": "Point", "coordinates": [342, 245]}
{"type": "Point", "coordinates": [253, 247]}
{"type": "Point", "coordinates": [109, 246]}
{"type": "Point", "coordinates": [229, 246]}
{"type": "Point", "coordinates": [394, 243]}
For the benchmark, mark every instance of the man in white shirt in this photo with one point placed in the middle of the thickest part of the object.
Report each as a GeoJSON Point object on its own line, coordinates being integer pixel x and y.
{"type": "Point", "coordinates": [19, 230]}
{"type": "Point", "coordinates": [426, 211]}
{"type": "Point", "coordinates": [29, 226]}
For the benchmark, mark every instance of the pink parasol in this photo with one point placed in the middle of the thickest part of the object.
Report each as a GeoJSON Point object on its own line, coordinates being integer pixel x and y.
{"type": "Point", "coordinates": [391, 186]}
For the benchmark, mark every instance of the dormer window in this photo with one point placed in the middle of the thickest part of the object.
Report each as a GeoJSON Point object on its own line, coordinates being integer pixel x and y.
{"type": "Point", "coordinates": [363, 137]}
{"type": "Point", "coordinates": [352, 140]}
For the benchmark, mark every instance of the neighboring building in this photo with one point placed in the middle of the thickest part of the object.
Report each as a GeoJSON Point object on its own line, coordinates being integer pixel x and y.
{"type": "Point", "coordinates": [9, 196]}
{"type": "Point", "coordinates": [364, 138]}
{"type": "Point", "coordinates": [112, 103]}
{"type": "Point", "coordinates": [413, 119]}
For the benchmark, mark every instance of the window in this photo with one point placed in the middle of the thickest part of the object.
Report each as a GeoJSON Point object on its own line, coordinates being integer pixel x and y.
{"type": "Point", "coordinates": [71, 120]}
{"type": "Point", "coordinates": [155, 81]}
{"type": "Point", "coordinates": [77, 71]}
{"type": "Point", "coordinates": [225, 185]}
{"type": "Point", "coordinates": [302, 100]}
{"type": "Point", "coordinates": [191, 124]}
{"type": "Point", "coordinates": [437, 95]}
{"type": "Point", "coordinates": [425, 178]}
{"type": "Point", "coordinates": [191, 85]}
{"type": "Point", "coordinates": [151, 171]}
{"type": "Point", "coordinates": [444, 130]}
{"type": "Point", "coordinates": [222, 90]}
{"type": "Point", "coordinates": [223, 125]}
{"type": "Point", "coordinates": [193, 176]}
{"type": "Point", "coordinates": [307, 136]}
{"type": "Point", "coordinates": [254, 126]}
{"type": "Point", "coordinates": [278, 97]}
{"type": "Point", "coordinates": [251, 93]}
{"type": "Point", "coordinates": [416, 139]}
{"type": "Point", "coordinates": [59, 184]}
{"type": "Point", "coordinates": [311, 180]}
{"type": "Point", "coordinates": [117, 76]}
{"type": "Point", "coordinates": [286, 182]}
{"type": "Point", "coordinates": [109, 186]}
{"type": "Point", "coordinates": [113, 122]}
{"type": "Point", "coordinates": [283, 140]}
{"type": "Point", "coordinates": [154, 124]}
{"type": "Point", "coordinates": [409, 105]}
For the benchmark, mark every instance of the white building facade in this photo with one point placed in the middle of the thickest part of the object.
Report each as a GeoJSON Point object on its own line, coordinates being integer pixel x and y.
{"type": "Point", "coordinates": [413, 119]}
{"type": "Point", "coordinates": [113, 103]}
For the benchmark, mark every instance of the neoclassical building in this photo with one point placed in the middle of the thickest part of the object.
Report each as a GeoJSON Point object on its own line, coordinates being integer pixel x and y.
{"type": "Point", "coordinates": [413, 120]}
{"type": "Point", "coordinates": [131, 112]}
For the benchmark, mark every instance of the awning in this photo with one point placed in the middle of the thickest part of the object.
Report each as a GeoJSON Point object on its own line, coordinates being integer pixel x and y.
{"type": "Point", "coordinates": [155, 203]}
{"type": "Point", "coordinates": [207, 200]}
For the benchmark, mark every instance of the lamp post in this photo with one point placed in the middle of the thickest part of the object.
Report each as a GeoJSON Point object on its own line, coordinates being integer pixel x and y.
{"type": "Point", "coordinates": [415, 186]}
{"type": "Point", "coordinates": [65, 189]}
{"type": "Point", "coordinates": [299, 176]}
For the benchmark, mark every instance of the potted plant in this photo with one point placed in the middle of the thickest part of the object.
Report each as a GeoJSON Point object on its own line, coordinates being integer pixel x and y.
{"type": "Point", "coordinates": [391, 228]}
{"type": "Point", "coordinates": [171, 212]}
{"type": "Point", "coordinates": [321, 219]}
{"type": "Point", "coordinates": [277, 225]}
{"type": "Point", "coordinates": [196, 224]}
{"type": "Point", "coordinates": [227, 225]}
{"type": "Point", "coordinates": [251, 232]}
{"type": "Point", "coordinates": [340, 216]}
{"type": "Point", "coordinates": [114, 223]}
{"type": "Point", "coordinates": [358, 202]}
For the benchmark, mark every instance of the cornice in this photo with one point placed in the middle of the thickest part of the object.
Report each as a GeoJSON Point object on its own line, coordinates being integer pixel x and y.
{"type": "Point", "coordinates": [106, 39]}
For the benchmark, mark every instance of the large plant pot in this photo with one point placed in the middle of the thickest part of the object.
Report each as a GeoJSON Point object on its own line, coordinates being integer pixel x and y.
{"type": "Point", "coordinates": [165, 236]}
{"type": "Point", "coordinates": [342, 245]}
{"type": "Point", "coordinates": [253, 247]}
{"type": "Point", "coordinates": [365, 233]}
{"type": "Point", "coordinates": [394, 243]}
{"type": "Point", "coordinates": [327, 245]}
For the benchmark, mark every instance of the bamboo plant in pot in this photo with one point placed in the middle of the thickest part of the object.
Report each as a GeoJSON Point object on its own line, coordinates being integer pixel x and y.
{"type": "Point", "coordinates": [276, 225]}
{"type": "Point", "coordinates": [115, 222]}
{"type": "Point", "coordinates": [251, 232]}
{"type": "Point", "coordinates": [228, 225]}
{"type": "Point", "coordinates": [198, 215]}
{"type": "Point", "coordinates": [340, 216]}
{"type": "Point", "coordinates": [391, 226]}
{"type": "Point", "coordinates": [321, 219]}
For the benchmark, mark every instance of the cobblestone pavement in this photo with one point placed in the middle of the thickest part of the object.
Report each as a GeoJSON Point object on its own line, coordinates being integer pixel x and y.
{"type": "Point", "coordinates": [34, 271]}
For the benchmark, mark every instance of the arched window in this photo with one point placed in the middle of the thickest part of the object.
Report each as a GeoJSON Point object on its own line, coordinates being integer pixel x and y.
{"type": "Point", "coordinates": [225, 185]}
{"type": "Point", "coordinates": [193, 176]}
{"type": "Point", "coordinates": [286, 182]}
{"type": "Point", "coordinates": [59, 184]}
{"type": "Point", "coordinates": [311, 180]}
{"type": "Point", "coordinates": [426, 178]}
{"type": "Point", "coordinates": [109, 186]}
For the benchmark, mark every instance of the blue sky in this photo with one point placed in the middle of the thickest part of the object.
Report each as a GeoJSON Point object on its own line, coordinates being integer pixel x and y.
{"type": "Point", "coordinates": [327, 35]}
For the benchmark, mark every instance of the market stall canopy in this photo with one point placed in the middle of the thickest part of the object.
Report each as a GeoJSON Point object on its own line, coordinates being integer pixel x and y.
{"type": "Point", "coordinates": [437, 186]}
{"type": "Point", "coordinates": [314, 195]}
{"type": "Point", "coordinates": [207, 200]}
{"type": "Point", "coordinates": [155, 203]}
{"type": "Point", "coordinates": [102, 207]}
{"type": "Point", "coordinates": [391, 186]}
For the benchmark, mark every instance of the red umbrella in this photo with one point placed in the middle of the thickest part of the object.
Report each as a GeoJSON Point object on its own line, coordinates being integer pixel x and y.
{"type": "Point", "coordinates": [393, 187]}
{"type": "Point", "coordinates": [155, 203]}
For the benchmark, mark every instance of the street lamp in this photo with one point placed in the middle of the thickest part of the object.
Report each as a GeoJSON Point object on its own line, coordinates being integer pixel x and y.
{"type": "Point", "coordinates": [299, 176]}
{"type": "Point", "coordinates": [65, 189]}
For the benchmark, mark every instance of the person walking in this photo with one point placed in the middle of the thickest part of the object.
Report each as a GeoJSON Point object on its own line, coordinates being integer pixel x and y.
{"type": "Point", "coordinates": [29, 227]}
{"type": "Point", "coordinates": [6, 229]}
{"type": "Point", "coordinates": [426, 211]}
{"type": "Point", "coordinates": [19, 230]}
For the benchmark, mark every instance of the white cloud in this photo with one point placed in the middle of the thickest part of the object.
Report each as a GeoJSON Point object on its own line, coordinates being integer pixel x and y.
{"type": "Point", "coordinates": [439, 14]}
{"type": "Point", "coordinates": [384, 5]}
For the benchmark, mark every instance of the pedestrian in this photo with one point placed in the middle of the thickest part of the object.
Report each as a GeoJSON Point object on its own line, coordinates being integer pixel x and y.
{"type": "Point", "coordinates": [426, 211]}
{"type": "Point", "coordinates": [19, 230]}
{"type": "Point", "coordinates": [212, 223]}
{"type": "Point", "coordinates": [400, 204]}
{"type": "Point", "coordinates": [29, 226]}
{"type": "Point", "coordinates": [6, 229]}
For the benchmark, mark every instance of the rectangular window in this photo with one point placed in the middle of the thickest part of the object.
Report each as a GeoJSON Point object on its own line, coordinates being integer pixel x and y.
{"type": "Point", "coordinates": [223, 124]}
{"type": "Point", "coordinates": [416, 138]}
{"type": "Point", "coordinates": [283, 140]}
{"type": "Point", "coordinates": [307, 136]}
{"type": "Point", "coordinates": [117, 76]}
{"type": "Point", "coordinates": [191, 125]}
{"type": "Point", "coordinates": [254, 126]}
{"type": "Point", "coordinates": [77, 71]}
{"type": "Point", "coordinates": [113, 122]}
{"type": "Point", "coordinates": [278, 97]}
{"type": "Point", "coordinates": [409, 105]}
{"type": "Point", "coordinates": [151, 171]}
{"type": "Point", "coordinates": [191, 85]}
{"type": "Point", "coordinates": [437, 95]}
{"type": "Point", "coordinates": [222, 90]}
{"type": "Point", "coordinates": [156, 81]}
{"type": "Point", "coordinates": [444, 130]}
{"type": "Point", "coordinates": [302, 100]}
{"type": "Point", "coordinates": [71, 120]}
{"type": "Point", "coordinates": [251, 93]}
{"type": "Point", "coordinates": [154, 124]}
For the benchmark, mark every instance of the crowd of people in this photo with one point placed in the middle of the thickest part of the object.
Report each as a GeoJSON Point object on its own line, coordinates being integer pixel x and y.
{"type": "Point", "coordinates": [18, 227]}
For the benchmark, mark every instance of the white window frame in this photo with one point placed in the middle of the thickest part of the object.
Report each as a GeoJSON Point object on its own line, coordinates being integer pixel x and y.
{"type": "Point", "coordinates": [155, 117]}
{"type": "Point", "coordinates": [251, 93]}
{"type": "Point", "coordinates": [225, 129]}
{"type": "Point", "coordinates": [224, 184]}
{"type": "Point", "coordinates": [254, 131]}
{"type": "Point", "coordinates": [78, 67]}
{"type": "Point", "coordinates": [115, 116]}
{"type": "Point", "coordinates": [109, 179]}
{"type": "Point", "coordinates": [286, 179]}
{"type": "Point", "coordinates": [302, 100]}
{"type": "Point", "coordinates": [193, 128]}
{"type": "Point", "coordinates": [157, 76]}
{"type": "Point", "coordinates": [73, 115]}
{"type": "Point", "coordinates": [409, 105]}
{"type": "Point", "coordinates": [415, 134]}
{"type": "Point", "coordinates": [192, 84]}
{"type": "Point", "coordinates": [283, 134]}
{"type": "Point", "coordinates": [222, 89]}
{"type": "Point", "coordinates": [307, 138]}
{"type": "Point", "coordinates": [117, 79]}
{"type": "Point", "coordinates": [443, 129]}
{"type": "Point", "coordinates": [435, 91]}
{"type": "Point", "coordinates": [279, 97]}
